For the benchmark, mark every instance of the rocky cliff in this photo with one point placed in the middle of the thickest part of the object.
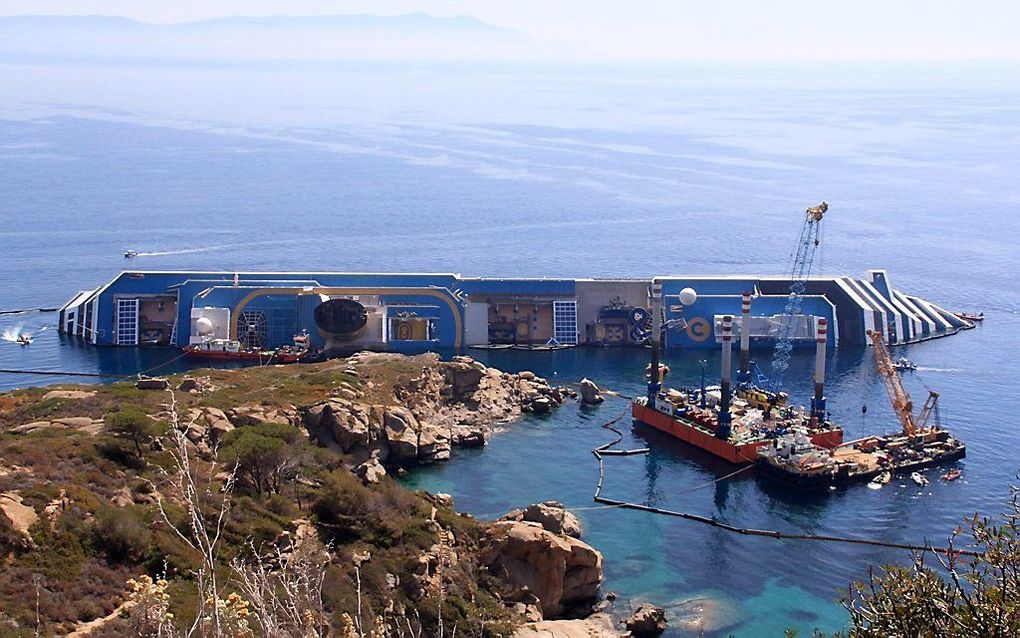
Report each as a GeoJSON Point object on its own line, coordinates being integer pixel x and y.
{"type": "Point", "coordinates": [84, 469]}
{"type": "Point", "coordinates": [445, 405]}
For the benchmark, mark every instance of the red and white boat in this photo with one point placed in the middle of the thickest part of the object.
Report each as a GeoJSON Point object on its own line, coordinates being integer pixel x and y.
{"type": "Point", "coordinates": [231, 350]}
{"type": "Point", "coordinates": [970, 316]}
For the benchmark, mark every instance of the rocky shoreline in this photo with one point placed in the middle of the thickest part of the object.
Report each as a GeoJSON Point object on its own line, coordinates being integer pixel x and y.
{"type": "Point", "coordinates": [448, 404]}
{"type": "Point", "coordinates": [371, 415]}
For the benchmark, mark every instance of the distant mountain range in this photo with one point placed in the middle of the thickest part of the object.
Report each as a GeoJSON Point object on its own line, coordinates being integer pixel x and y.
{"type": "Point", "coordinates": [61, 38]}
{"type": "Point", "coordinates": [416, 22]}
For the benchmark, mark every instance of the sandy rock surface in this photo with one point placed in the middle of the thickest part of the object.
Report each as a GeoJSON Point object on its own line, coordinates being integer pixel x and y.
{"type": "Point", "coordinates": [563, 573]}
{"type": "Point", "coordinates": [597, 626]}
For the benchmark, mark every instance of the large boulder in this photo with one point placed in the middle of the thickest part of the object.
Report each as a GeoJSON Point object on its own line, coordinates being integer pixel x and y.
{"type": "Point", "coordinates": [469, 437]}
{"type": "Point", "coordinates": [590, 392]}
{"type": "Point", "coordinates": [348, 426]}
{"type": "Point", "coordinates": [21, 516]}
{"type": "Point", "coordinates": [563, 573]}
{"type": "Point", "coordinates": [647, 621]}
{"type": "Point", "coordinates": [463, 376]}
{"type": "Point", "coordinates": [73, 422]}
{"type": "Point", "coordinates": [432, 446]}
{"type": "Point", "coordinates": [553, 516]}
{"type": "Point", "coordinates": [218, 423]}
{"type": "Point", "coordinates": [207, 422]}
{"type": "Point", "coordinates": [34, 426]}
{"type": "Point", "coordinates": [541, 405]}
{"type": "Point", "coordinates": [371, 471]}
{"type": "Point", "coordinates": [401, 430]}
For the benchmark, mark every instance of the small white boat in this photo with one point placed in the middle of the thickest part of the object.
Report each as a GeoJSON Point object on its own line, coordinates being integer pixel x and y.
{"type": "Point", "coordinates": [917, 478]}
{"type": "Point", "coordinates": [24, 339]}
{"type": "Point", "coordinates": [904, 363]}
{"type": "Point", "coordinates": [129, 254]}
{"type": "Point", "coordinates": [880, 480]}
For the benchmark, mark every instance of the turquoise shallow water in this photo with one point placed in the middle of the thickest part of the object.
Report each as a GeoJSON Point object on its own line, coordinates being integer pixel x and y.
{"type": "Point", "coordinates": [760, 586]}
{"type": "Point", "coordinates": [560, 172]}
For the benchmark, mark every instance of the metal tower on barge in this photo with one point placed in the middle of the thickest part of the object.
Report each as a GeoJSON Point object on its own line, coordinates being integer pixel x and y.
{"type": "Point", "coordinates": [730, 427]}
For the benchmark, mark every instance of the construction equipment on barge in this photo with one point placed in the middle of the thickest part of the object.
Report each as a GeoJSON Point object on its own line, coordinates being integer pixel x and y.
{"type": "Point", "coordinates": [730, 425]}
{"type": "Point", "coordinates": [796, 461]}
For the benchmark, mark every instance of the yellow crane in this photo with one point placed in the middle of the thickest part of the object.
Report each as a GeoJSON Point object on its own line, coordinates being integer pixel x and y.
{"type": "Point", "coordinates": [902, 404]}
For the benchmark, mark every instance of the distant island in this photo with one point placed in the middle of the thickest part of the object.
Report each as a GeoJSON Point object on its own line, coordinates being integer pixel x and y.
{"type": "Point", "coordinates": [41, 38]}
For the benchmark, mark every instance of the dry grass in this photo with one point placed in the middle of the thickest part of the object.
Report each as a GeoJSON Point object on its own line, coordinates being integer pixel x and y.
{"type": "Point", "coordinates": [83, 559]}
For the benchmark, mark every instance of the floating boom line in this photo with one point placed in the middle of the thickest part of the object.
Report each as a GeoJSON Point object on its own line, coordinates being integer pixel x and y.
{"type": "Point", "coordinates": [606, 449]}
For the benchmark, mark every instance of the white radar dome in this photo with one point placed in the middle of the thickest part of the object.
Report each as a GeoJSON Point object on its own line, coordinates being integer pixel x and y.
{"type": "Point", "coordinates": [688, 296]}
{"type": "Point", "coordinates": [204, 325]}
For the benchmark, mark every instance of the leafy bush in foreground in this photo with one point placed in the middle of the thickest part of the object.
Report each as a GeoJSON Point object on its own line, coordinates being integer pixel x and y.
{"type": "Point", "coordinates": [960, 596]}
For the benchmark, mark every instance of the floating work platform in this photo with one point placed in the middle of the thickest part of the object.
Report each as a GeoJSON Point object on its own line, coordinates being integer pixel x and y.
{"type": "Point", "coordinates": [412, 312]}
{"type": "Point", "coordinates": [800, 463]}
{"type": "Point", "coordinates": [699, 427]}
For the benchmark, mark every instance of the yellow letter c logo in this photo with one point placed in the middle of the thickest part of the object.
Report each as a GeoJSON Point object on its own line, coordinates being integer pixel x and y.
{"type": "Point", "coordinates": [698, 329]}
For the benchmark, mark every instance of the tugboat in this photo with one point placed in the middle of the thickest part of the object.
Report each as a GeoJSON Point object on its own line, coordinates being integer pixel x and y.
{"type": "Point", "coordinates": [296, 353]}
{"type": "Point", "coordinates": [130, 254]}
{"type": "Point", "coordinates": [905, 364]}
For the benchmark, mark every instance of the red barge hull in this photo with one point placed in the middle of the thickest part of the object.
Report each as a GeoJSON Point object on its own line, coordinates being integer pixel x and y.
{"type": "Point", "coordinates": [218, 355]}
{"type": "Point", "coordinates": [738, 454]}
{"type": "Point", "coordinates": [264, 357]}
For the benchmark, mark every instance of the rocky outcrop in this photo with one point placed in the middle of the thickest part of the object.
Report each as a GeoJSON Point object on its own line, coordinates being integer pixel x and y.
{"type": "Point", "coordinates": [647, 621]}
{"type": "Point", "coordinates": [371, 471]}
{"type": "Point", "coordinates": [255, 414]}
{"type": "Point", "coordinates": [402, 431]}
{"type": "Point", "coordinates": [83, 424]}
{"type": "Point", "coordinates": [590, 392]}
{"type": "Point", "coordinates": [448, 404]}
{"type": "Point", "coordinates": [152, 383]}
{"type": "Point", "coordinates": [196, 385]}
{"type": "Point", "coordinates": [557, 573]}
{"type": "Point", "coordinates": [461, 393]}
{"type": "Point", "coordinates": [596, 626]}
{"type": "Point", "coordinates": [21, 516]}
{"type": "Point", "coordinates": [551, 515]}
{"type": "Point", "coordinates": [64, 395]}
{"type": "Point", "coordinates": [206, 427]}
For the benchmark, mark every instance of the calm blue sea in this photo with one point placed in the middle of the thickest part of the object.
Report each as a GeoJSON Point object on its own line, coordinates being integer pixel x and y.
{"type": "Point", "coordinates": [553, 172]}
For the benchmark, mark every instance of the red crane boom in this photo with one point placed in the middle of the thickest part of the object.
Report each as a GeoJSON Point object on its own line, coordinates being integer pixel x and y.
{"type": "Point", "coordinates": [902, 405]}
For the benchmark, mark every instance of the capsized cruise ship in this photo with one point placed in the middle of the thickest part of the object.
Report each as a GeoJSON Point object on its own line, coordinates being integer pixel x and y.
{"type": "Point", "coordinates": [412, 312]}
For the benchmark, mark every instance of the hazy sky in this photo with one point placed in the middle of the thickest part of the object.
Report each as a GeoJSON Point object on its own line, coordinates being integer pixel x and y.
{"type": "Point", "coordinates": [673, 29]}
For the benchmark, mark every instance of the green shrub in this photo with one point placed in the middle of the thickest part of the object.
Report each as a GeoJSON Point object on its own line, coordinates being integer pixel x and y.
{"type": "Point", "coordinates": [134, 425]}
{"type": "Point", "coordinates": [265, 455]}
{"type": "Point", "coordinates": [122, 534]}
